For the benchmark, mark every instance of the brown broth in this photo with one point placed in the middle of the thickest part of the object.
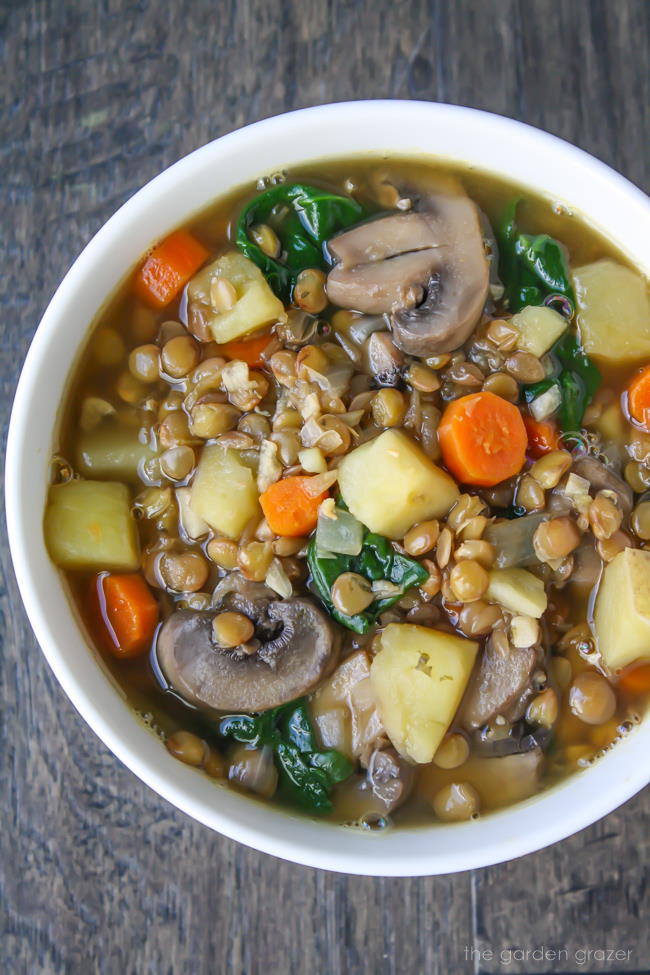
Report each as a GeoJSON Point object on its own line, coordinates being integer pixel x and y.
{"type": "Point", "coordinates": [575, 744]}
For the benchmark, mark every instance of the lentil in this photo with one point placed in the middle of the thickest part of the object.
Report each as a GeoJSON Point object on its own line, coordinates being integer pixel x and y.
{"type": "Point", "coordinates": [456, 802]}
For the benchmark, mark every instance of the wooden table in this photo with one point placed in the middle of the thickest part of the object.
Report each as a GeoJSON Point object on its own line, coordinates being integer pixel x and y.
{"type": "Point", "coordinates": [97, 874]}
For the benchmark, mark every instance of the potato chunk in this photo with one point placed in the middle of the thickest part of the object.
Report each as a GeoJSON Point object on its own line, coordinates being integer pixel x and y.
{"type": "Point", "coordinates": [255, 305]}
{"type": "Point", "coordinates": [89, 525]}
{"type": "Point", "coordinates": [539, 327]}
{"type": "Point", "coordinates": [518, 590]}
{"type": "Point", "coordinates": [390, 484]}
{"type": "Point", "coordinates": [622, 612]}
{"type": "Point", "coordinates": [613, 311]}
{"type": "Point", "coordinates": [224, 492]}
{"type": "Point", "coordinates": [419, 677]}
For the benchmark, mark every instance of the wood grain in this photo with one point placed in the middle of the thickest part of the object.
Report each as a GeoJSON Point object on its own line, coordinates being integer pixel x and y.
{"type": "Point", "coordinates": [97, 874]}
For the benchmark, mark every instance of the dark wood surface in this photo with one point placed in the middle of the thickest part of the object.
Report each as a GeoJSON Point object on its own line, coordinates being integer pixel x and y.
{"type": "Point", "coordinates": [97, 874]}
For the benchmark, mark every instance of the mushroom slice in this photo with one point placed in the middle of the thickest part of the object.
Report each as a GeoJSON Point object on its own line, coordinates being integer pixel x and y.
{"type": "Point", "coordinates": [518, 741]}
{"type": "Point", "coordinates": [298, 647]}
{"type": "Point", "coordinates": [428, 268]}
{"type": "Point", "coordinates": [501, 685]}
{"type": "Point", "coordinates": [390, 778]}
{"type": "Point", "coordinates": [602, 478]}
{"type": "Point", "coordinates": [377, 240]}
{"type": "Point", "coordinates": [381, 286]}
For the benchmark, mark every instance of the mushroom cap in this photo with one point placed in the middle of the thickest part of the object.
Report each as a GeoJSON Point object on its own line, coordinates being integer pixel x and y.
{"type": "Point", "coordinates": [428, 268]}
{"type": "Point", "coordinates": [299, 647]}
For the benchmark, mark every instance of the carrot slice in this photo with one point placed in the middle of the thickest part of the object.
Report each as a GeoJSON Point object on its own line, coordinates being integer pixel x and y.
{"type": "Point", "coordinates": [635, 680]}
{"type": "Point", "coordinates": [248, 350]}
{"type": "Point", "coordinates": [483, 439]}
{"type": "Point", "coordinates": [638, 397]}
{"type": "Point", "coordinates": [168, 268]}
{"type": "Point", "coordinates": [129, 611]}
{"type": "Point", "coordinates": [542, 436]}
{"type": "Point", "coordinates": [289, 508]}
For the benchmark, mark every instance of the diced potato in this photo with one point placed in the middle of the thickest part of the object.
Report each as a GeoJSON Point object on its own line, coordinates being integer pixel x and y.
{"type": "Point", "coordinates": [256, 305]}
{"type": "Point", "coordinates": [622, 611]}
{"type": "Point", "coordinates": [111, 452]}
{"type": "Point", "coordinates": [390, 484]}
{"type": "Point", "coordinates": [224, 492]}
{"type": "Point", "coordinates": [89, 525]}
{"type": "Point", "coordinates": [498, 781]}
{"type": "Point", "coordinates": [193, 526]}
{"type": "Point", "coordinates": [344, 709]}
{"type": "Point", "coordinates": [517, 590]}
{"type": "Point", "coordinates": [419, 677]}
{"type": "Point", "coordinates": [539, 328]}
{"type": "Point", "coordinates": [613, 311]}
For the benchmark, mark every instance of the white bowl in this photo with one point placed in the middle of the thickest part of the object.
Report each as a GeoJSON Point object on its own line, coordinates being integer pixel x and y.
{"type": "Point", "coordinates": [488, 142]}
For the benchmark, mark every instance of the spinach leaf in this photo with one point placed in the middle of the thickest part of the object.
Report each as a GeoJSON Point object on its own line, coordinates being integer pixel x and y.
{"type": "Point", "coordinates": [306, 774]}
{"type": "Point", "coordinates": [532, 268]}
{"type": "Point", "coordinates": [377, 560]}
{"type": "Point", "coordinates": [304, 218]}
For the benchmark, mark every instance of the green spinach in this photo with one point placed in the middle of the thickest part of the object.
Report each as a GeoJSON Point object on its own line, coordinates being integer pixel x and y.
{"type": "Point", "coordinates": [307, 774]}
{"type": "Point", "coordinates": [532, 268]}
{"type": "Point", "coordinates": [304, 218]}
{"type": "Point", "coordinates": [377, 560]}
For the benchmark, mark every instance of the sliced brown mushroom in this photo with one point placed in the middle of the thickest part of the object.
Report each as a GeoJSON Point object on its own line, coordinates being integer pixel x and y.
{"type": "Point", "coordinates": [517, 739]}
{"type": "Point", "coordinates": [427, 268]}
{"type": "Point", "coordinates": [602, 478]}
{"type": "Point", "coordinates": [390, 778]}
{"type": "Point", "coordinates": [502, 683]}
{"type": "Point", "coordinates": [296, 646]}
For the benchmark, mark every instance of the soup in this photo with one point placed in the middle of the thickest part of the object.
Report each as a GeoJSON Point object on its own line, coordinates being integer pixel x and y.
{"type": "Point", "coordinates": [351, 492]}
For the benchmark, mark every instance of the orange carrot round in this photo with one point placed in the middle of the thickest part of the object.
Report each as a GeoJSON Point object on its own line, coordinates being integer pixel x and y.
{"type": "Point", "coordinates": [248, 350]}
{"type": "Point", "coordinates": [129, 612]}
{"type": "Point", "coordinates": [638, 397]}
{"type": "Point", "coordinates": [543, 436]}
{"type": "Point", "coordinates": [483, 439]}
{"type": "Point", "coordinates": [168, 268]}
{"type": "Point", "coordinates": [289, 508]}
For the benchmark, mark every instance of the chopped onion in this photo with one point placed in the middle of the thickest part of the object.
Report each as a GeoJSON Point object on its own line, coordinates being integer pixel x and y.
{"type": "Point", "coordinates": [385, 589]}
{"type": "Point", "coordinates": [341, 534]}
{"type": "Point", "coordinates": [270, 468]}
{"type": "Point", "coordinates": [513, 540]}
{"type": "Point", "coordinates": [319, 483]}
{"type": "Point", "coordinates": [546, 404]}
{"type": "Point", "coordinates": [362, 328]}
{"type": "Point", "coordinates": [278, 580]}
{"type": "Point", "coordinates": [93, 411]}
{"type": "Point", "coordinates": [234, 376]}
{"type": "Point", "coordinates": [313, 435]}
{"type": "Point", "coordinates": [310, 408]}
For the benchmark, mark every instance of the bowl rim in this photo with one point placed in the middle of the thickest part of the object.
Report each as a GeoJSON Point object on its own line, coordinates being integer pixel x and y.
{"type": "Point", "coordinates": [277, 832]}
